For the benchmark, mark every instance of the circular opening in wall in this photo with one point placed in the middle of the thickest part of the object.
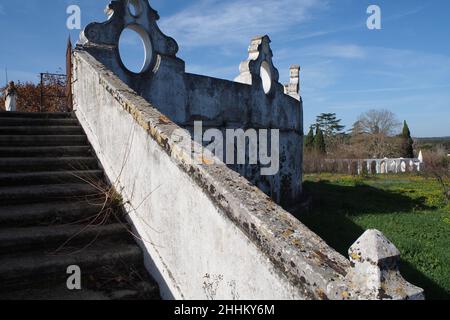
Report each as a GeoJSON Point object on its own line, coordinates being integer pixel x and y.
{"type": "Point", "coordinates": [134, 7]}
{"type": "Point", "coordinates": [266, 77]}
{"type": "Point", "coordinates": [135, 49]}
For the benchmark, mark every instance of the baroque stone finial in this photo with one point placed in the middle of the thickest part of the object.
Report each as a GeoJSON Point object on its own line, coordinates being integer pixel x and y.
{"type": "Point", "coordinates": [10, 97]}
{"type": "Point", "coordinates": [375, 270]}
{"type": "Point", "coordinates": [259, 68]}
{"type": "Point", "coordinates": [11, 85]}
{"type": "Point", "coordinates": [138, 16]}
{"type": "Point", "coordinates": [10, 89]}
{"type": "Point", "coordinates": [293, 87]}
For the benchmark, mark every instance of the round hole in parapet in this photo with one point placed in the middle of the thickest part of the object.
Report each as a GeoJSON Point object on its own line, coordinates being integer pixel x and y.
{"type": "Point", "coordinates": [134, 7]}
{"type": "Point", "coordinates": [135, 49]}
{"type": "Point", "coordinates": [266, 77]}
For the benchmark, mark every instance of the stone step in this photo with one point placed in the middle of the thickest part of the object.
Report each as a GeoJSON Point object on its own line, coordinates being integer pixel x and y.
{"type": "Point", "coordinates": [52, 238]}
{"type": "Point", "coordinates": [11, 122]}
{"type": "Point", "coordinates": [26, 270]}
{"type": "Point", "coordinates": [49, 213]}
{"type": "Point", "coordinates": [44, 140]}
{"type": "Point", "coordinates": [36, 115]}
{"type": "Point", "coordinates": [10, 165]}
{"type": "Point", "coordinates": [41, 130]}
{"type": "Point", "coordinates": [41, 193]}
{"type": "Point", "coordinates": [54, 293]}
{"type": "Point", "coordinates": [139, 291]}
{"type": "Point", "coordinates": [51, 191]}
{"type": "Point", "coordinates": [58, 152]}
{"type": "Point", "coordinates": [55, 177]}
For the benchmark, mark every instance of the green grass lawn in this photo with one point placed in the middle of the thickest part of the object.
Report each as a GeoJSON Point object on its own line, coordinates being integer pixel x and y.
{"type": "Point", "coordinates": [410, 210]}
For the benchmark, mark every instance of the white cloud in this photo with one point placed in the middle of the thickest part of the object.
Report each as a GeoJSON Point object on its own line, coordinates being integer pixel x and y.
{"type": "Point", "coordinates": [217, 22]}
{"type": "Point", "coordinates": [2, 9]}
{"type": "Point", "coordinates": [405, 68]}
{"type": "Point", "coordinates": [360, 25]}
{"type": "Point", "coordinates": [407, 13]}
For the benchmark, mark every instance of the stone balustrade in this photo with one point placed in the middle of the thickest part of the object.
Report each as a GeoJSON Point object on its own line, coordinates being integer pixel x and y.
{"type": "Point", "coordinates": [379, 166]}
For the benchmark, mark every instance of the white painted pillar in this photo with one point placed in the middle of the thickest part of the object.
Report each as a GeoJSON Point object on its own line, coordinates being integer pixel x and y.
{"type": "Point", "coordinates": [420, 157]}
{"type": "Point", "coordinates": [386, 166]}
{"type": "Point", "coordinates": [403, 166]}
{"type": "Point", "coordinates": [420, 163]}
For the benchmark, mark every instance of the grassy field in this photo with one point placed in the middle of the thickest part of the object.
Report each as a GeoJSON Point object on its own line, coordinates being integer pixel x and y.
{"type": "Point", "coordinates": [410, 210]}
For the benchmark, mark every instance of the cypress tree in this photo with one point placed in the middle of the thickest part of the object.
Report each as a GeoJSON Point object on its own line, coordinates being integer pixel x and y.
{"type": "Point", "coordinates": [319, 142]}
{"type": "Point", "coordinates": [309, 141]}
{"type": "Point", "coordinates": [408, 142]}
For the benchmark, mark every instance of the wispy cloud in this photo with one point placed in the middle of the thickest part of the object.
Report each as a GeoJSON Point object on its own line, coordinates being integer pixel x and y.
{"type": "Point", "coordinates": [410, 68]}
{"type": "Point", "coordinates": [355, 26]}
{"type": "Point", "coordinates": [217, 22]}
{"type": "Point", "coordinates": [2, 9]}
{"type": "Point", "coordinates": [406, 13]}
{"type": "Point", "coordinates": [393, 89]}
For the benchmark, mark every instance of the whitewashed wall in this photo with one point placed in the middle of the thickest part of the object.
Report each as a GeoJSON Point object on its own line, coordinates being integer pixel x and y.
{"type": "Point", "coordinates": [207, 233]}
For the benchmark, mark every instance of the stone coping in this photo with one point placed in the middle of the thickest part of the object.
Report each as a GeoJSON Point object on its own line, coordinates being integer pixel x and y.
{"type": "Point", "coordinates": [296, 252]}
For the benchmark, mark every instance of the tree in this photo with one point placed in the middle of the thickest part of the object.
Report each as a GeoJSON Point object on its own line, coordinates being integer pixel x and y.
{"type": "Point", "coordinates": [437, 166]}
{"type": "Point", "coordinates": [329, 124]}
{"type": "Point", "coordinates": [407, 142]}
{"type": "Point", "coordinates": [375, 131]}
{"type": "Point", "coordinates": [309, 141]}
{"type": "Point", "coordinates": [332, 131]}
{"type": "Point", "coordinates": [319, 142]}
{"type": "Point", "coordinates": [376, 122]}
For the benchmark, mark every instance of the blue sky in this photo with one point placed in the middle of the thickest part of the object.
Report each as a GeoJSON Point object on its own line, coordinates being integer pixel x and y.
{"type": "Point", "coordinates": [346, 68]}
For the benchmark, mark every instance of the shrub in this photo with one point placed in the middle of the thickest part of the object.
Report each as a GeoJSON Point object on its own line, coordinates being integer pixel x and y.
{"type": "Point", "coordinates": [29, 95]}
{"type": "Point", "coordinates": [437, 166]}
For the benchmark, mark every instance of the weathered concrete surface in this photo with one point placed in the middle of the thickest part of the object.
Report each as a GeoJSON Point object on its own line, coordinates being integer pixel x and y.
{"type": "Point", "coordinates": [293, 87]}
{"type": "Point", "coordinates": [209, 233]}
{"type": "Point", "coordinates": [185, 98]}
{"type": "Point", "coordinates": [375, 272]}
